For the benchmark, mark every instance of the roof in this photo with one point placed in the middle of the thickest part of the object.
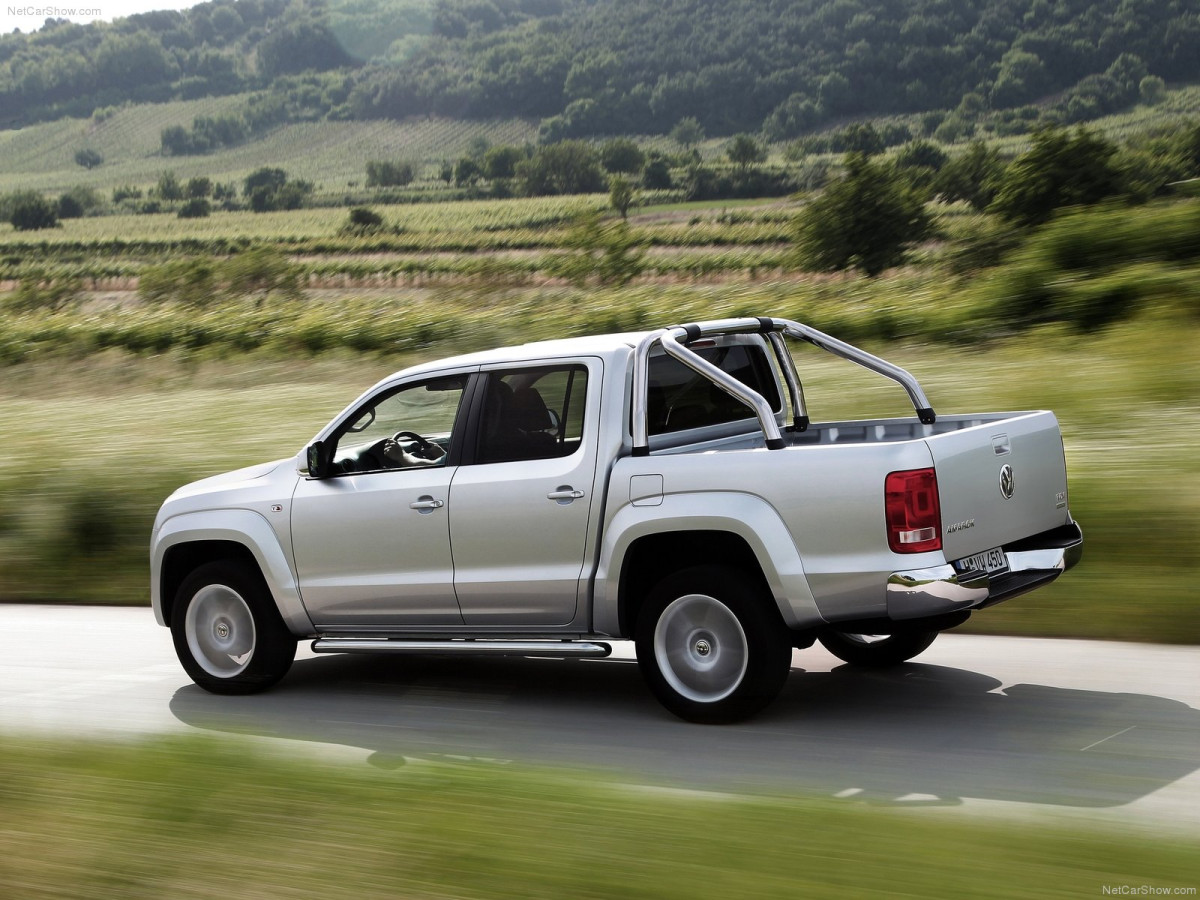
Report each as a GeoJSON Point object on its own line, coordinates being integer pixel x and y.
{"type": "Point", "coordinates": [593, 345]}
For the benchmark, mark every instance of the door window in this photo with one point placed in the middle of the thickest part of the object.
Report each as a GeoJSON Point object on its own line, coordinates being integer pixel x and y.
{"type": "Point", "coordinates": [410, 427]}
{"type": "Point", "coordinates": [532, 414]}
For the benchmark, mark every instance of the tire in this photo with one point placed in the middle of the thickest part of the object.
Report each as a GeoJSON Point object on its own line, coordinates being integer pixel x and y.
{"type": "Point", "coordinates": [876, 650]}
{"type": "Point", "coordinates": [711, 646]}
{"type": "Point", "coordinates": [227, 632]}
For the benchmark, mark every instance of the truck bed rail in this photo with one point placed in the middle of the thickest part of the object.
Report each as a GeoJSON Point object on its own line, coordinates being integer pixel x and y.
{"type": "Point", "coordinates": [676, 340]}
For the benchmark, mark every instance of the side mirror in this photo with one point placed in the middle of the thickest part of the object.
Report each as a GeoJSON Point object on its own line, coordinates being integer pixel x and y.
{"type": "Point", "coordinates": [318, 460]}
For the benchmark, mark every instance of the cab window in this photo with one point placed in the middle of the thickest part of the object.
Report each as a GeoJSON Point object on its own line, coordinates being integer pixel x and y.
{"type": "Point", "coordinates": [411, 427]}
{"type": "Point", "coordinates": [679, 399]}
{"type": "Point", "coordinates": [535, 413]}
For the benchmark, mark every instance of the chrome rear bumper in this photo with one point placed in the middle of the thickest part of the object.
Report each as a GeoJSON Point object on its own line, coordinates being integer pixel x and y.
{"type": "Point", "coordinates": [1032, 562]}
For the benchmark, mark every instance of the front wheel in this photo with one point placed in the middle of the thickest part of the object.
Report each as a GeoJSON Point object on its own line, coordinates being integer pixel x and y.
{"type": "Point", "coordinates": [876, 650]}
{"type": "Point", "coordinates": [227, 632]}
{"type": "Point", "coordinates": [711, 647]}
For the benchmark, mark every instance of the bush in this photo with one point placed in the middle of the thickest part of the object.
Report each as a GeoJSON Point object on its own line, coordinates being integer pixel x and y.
{"type": "Point", "coordinates": [1095, 267]}
{"type": "Point", "coordinates": [126, 192]}
{"type": "Point", "coordinates": [605, 251]}
{"type": "Point", "coordinates": [362, 222]}
{"type": "Point", "coordinates": [40, 291]}
{"type": "Point", "coordinates": [1061, 169]}
{"type": "Point", "coordinates": [169, 187]}
{"type": "Point", "coordinates": [657, 175]}
{"type": "Point", "coordinates": [622, 155]}
{"type": "Point", "coordinates": [567, 167]}
{"type": "Point", "coordinates": [269, 189]}
{"type": "Point", "coordinates": [260, 270]}
{"type": "Point", "coordinates": [88, 158]}
{"type": "Point", "coordinates": [69, 207]}
{"type": "Point", "coordinates": [190, 281]}
{"type": "Point", "coordinates": [32, 212]}
{"type": "Point", "coordinates": [385, 173]}
{"type": "Point", "coordinates": [196, 208]}
{"type": "Point", "coordinates": [867, 220]}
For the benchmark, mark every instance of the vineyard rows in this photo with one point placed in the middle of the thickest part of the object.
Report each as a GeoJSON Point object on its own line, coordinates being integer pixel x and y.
{"type": "Point", "coordinates": [333, 155]}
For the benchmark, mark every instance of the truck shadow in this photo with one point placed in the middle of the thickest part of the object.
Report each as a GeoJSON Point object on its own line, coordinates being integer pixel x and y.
{"type": "Point", "coordinates": [916, 734]}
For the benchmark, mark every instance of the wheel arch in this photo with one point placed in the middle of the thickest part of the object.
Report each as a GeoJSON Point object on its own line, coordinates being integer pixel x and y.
{"type": "Point", "coordinates": [191, 540]}
{"type": "Point", "coordinates": [642, 545]}
{"type": "Point", "coordinates": [643, 566]}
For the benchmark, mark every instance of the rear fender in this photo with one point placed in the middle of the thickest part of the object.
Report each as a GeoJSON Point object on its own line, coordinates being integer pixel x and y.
{"type": "Point", "coordinates": [750, 518]}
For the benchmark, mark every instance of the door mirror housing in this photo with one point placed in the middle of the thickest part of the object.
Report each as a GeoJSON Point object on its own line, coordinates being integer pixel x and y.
{"type": "Point", "coordinates": [318, 460]}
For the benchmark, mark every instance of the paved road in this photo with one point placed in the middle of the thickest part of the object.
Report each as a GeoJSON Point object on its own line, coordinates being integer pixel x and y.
{"type": "Point", "coordinates": [1109, 732]}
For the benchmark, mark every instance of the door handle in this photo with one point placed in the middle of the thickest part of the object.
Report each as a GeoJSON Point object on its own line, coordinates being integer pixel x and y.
{"type": "Point", "coordinates": [564, 494]}
{"type": "Point", "coordinates": [426, 504]}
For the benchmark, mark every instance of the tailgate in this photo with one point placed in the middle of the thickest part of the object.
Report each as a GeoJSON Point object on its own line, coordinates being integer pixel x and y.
{"type": "Point", "coordinates": [1000, 482]}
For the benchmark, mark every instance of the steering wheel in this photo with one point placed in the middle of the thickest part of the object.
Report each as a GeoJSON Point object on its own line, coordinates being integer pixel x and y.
{"type": "Point", "coordinates": [424, 442]}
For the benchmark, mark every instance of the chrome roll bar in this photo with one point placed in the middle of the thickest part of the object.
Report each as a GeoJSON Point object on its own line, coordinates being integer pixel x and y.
{"type": "Point", "coordinates": [675, 341]}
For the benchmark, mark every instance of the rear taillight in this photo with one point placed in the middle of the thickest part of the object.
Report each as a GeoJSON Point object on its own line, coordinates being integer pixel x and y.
{"type": "Point", "coordinates": [914, 517]}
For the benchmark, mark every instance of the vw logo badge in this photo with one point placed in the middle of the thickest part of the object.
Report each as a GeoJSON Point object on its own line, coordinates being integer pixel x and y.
{"type": "Point", "coordinates": [1008, 483]}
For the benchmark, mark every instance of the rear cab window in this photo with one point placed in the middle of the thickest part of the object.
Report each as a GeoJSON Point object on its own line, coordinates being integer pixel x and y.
{"type": "Point", "coordinates": [679, 399]}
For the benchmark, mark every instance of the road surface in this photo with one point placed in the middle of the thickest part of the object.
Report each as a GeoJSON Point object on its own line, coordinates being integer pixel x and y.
{"type": "Point", "coordinates": [1107, 732]}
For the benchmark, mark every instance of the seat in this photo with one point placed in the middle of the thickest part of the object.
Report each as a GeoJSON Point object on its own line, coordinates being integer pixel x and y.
{"type": "Point", "coordinates": [533, 424]}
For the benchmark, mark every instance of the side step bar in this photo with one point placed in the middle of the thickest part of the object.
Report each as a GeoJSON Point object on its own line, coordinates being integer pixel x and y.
{"type": "Point", "coordinates": [592, 649]}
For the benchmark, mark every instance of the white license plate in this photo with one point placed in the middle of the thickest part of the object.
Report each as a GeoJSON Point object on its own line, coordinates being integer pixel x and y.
{"type": "Point", "coordinates": [990, 561]}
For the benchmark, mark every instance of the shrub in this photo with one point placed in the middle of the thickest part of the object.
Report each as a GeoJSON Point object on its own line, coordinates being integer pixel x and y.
{"type": "Point", "coordinates": [196, 208]}
{"type": "Point", "coordinates": [88, 158]}
{"type": "Point", "coordinates": [126, 192]}
{"type": "Point", "coordinates": [190, 281]}
{"type": "Point", "coordinates": [622, 155]}
{"type": "Point", "coordinates": [389, 173]}
{"type": "Point", "coordinates": [32, 212]}
{"type": "Point", "coordinates": [362, 221]}
{"type": "Point", "coordinates": [260, 270]}
{"type": "Point", "coordinates": [867, 220]}
{"type": "Point", "coordinates": [40, 291]}
{"type": "Point", "coordinates": [620, 195]}
{"type": "Point", "coordinates": [69, 207]}
{"type": "Point", "coordinates": [1060, 169]}
{"type": "Point", "coordinates": [607, 251]}
{"type": "Point", "coordinates": [657, 175]}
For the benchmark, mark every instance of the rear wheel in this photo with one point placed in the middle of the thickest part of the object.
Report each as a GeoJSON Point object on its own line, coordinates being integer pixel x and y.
{"type": "Point", "coordinates": [876, 650]}
{"type": "Point", "coordinates": [227, 632]}
{"type": "Point", "coordinates": [711, 647]}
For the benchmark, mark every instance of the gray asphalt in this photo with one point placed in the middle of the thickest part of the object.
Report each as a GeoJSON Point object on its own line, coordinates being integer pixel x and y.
{"type": "Point", "coordinates": [1108, 732]}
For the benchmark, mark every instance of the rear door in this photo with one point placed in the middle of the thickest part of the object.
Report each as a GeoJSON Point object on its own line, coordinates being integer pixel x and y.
{"type": "Point", "coordinates": [522, 502]}
{"type": "Point", "coordinates": [1000, 482]}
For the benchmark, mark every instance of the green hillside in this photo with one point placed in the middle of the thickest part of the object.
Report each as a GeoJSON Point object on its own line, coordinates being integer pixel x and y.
{"type": "Point", "coordinates": [595, 67]}
{"type": "Point", "coordinates": [330, 154]}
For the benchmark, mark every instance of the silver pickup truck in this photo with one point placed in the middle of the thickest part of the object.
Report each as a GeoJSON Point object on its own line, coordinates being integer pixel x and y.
{"type": "Point", "coordinates": [665, 487]}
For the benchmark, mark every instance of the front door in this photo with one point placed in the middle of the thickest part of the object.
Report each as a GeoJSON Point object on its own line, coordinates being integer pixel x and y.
{"type": "Point", "coordinates": [372, 541]}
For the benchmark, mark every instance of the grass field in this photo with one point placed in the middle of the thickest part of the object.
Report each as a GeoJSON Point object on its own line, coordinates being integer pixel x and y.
{"type": "Point", "coordinates": [189, 817]}
{"type": "Point", "coordinates": [97, 442]}
{"type": "Point", "coordinates": [330, 154]}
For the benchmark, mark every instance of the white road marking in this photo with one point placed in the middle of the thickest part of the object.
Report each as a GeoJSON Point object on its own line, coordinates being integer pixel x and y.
{"type": "Point", "coordinates": [1109, 738]}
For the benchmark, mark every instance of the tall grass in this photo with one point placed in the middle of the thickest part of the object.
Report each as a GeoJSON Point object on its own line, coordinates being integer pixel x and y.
{"type": "Point", "coordinates": [196, 817]}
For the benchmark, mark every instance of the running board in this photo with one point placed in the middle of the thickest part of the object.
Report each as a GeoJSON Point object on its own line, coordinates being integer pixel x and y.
{"type": "Point", "coordinates": [491, 648]}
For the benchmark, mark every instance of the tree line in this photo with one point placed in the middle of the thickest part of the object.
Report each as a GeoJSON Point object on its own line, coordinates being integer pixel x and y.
{"type": "Point", "coordinates": [781, 68]}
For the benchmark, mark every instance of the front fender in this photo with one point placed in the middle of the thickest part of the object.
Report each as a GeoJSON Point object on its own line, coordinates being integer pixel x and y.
{"type": "Point", "coordinates": [240, 526]}
{"type": "Point", "coordinates": [749, 517]}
